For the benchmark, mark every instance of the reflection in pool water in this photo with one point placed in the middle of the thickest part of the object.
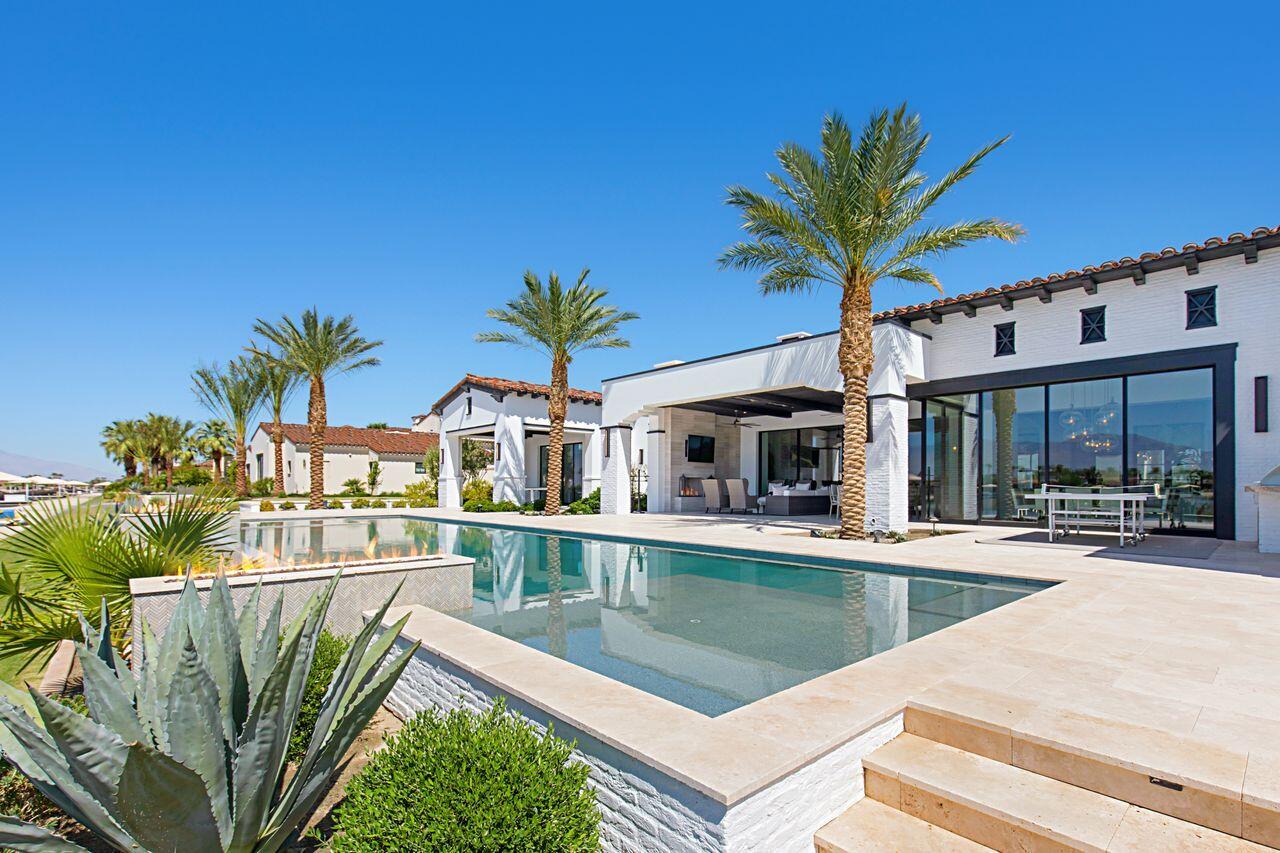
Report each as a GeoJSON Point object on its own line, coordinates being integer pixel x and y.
{"type": "Point", "coordinates": [708, 631]}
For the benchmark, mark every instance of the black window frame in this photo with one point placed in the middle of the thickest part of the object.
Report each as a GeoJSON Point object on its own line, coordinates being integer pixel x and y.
{"type": "Point", "coordinates": [1006, 337]}
{"type": "Point", "coordinates": [1205, 314]}
{"type": "Point", "coordinates": [1093, 324]}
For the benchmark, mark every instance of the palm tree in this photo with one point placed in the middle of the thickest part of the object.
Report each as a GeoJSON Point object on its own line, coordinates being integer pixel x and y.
{"type": "Point", "coordinates": [213, 440]}
{"type": "Point", "coordinates": [234, 394]}
{"type": "Point", "coordinates": [118, 442]}
{"type": "Point", "coordinates": [168, 436]}
{"type": "Point", "coordinates": [848, 217]}
{"type": "Point", "coordinates": [280, 381]}
{"type": "Point", "coordinates": [316, 348]}
{"type": "Point", "coordinates": [559, 323]}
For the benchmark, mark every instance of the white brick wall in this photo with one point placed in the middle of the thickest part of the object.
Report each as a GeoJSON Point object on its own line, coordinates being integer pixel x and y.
{"type": "Point", "coordinates": [1142, 319]}
{"type": "Point", "coordinates": [887, 465]}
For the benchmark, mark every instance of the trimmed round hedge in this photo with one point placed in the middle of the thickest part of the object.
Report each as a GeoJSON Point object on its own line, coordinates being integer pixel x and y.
{"type": "Point", "coordinates": [469, 782]}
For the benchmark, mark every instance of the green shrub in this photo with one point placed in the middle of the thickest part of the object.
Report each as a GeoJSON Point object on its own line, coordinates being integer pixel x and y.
{"type": "Point", "coordinates": [420, 503]}
{"type": "Point", "coordinates": [191, 475]}
{"type": "Point", "coordinates": [360, 503]}
{"type": "Point", "coordinates": [477, 505]}
{"type": "Point", "coordinates": [467, 781]}
{"type": "Point", "coordinates": [590, 505]}
{"type": "Point", "coordinates": [329, 651]}
{"type": "Point", "coordinates": [377, 503]}
{"type": "Point", "coordinates": [423, 490]}
{"type": "Point", "coordinates": [335, 505]}
{"type": "Point", "coordinates": [477, 490]}
{"type": "Point", "coordinates": [399, 504]}
{"type": "Point", "coordinates": [266, 506]}
{"type": "Point", "coordinates": [506, 506]}
{"type": "Point", "coordinates": [288, 505]}
{"type": "Point", "coordinates": [353, 488]}
{"type": "Point", "coordinates": [261, 488]}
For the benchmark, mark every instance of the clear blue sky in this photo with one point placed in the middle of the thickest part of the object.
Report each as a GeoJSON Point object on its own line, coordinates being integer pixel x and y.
{"type": "Point", "coordinates": [169, 172]}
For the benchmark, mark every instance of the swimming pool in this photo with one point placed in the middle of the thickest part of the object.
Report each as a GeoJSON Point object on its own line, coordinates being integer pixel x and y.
{"type": "Point", "coordinates": [707, 629]}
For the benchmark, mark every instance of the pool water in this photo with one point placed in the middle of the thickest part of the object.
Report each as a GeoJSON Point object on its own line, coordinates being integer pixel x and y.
{"type": "Point", "coordinates": [708, 630]}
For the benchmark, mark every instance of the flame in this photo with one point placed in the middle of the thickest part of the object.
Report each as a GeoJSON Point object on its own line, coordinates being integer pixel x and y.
{"type": "Point", "coordinates": [371, 550]}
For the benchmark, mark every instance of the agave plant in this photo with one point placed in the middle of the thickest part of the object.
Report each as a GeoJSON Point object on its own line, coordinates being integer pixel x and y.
{"type": "Point", "coordinates": [187, 753]}
{"type": "Point", "coordinates": [67, 558]}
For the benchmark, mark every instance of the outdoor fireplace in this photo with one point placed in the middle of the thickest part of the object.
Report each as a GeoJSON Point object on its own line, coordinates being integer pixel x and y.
{"type": "Point", "coordinates": [690, 487]}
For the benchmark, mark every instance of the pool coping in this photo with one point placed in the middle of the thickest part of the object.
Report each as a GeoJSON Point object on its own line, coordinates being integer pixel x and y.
{"type": "Point", "coordinates": [731, 756]}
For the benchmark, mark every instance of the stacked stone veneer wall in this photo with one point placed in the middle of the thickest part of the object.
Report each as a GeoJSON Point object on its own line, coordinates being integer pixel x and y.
{"type": "Point", "coordinates": [443, 584]}
{"type": "Point", "coordinates": [643, 809]}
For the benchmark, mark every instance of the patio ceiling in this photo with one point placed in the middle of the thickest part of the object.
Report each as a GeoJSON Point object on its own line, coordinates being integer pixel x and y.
{"type": "Point", "coordinates": [772, 404]}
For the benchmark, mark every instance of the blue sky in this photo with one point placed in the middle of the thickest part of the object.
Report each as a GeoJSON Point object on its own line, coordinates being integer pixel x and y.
{"type": "Point", "coordinates": [169, 172]}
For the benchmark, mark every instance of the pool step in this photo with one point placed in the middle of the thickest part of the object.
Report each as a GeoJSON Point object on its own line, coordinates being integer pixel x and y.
{"type": "Point", "coordinates": [1192, 780]}
{"type": "Point", "coordinates": [870, 826]}
{"type": "Point", "coordinates": [1008, 808]}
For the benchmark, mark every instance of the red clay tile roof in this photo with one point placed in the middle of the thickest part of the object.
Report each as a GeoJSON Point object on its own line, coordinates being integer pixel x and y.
{"type": "Point", "coordinates": [511, 386]}
{"type": "Point", "coordinates": [377, 440]}
{"type": "Point", "coordinates": [1235, 240]}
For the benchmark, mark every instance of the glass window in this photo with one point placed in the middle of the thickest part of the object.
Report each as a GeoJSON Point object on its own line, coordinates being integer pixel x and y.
{"type": "Point", "coordinates": [1093, 325]}
{"type": "Point", "coordinates": [1012, 451]}
{"type": "Point", "coordinates": [1086, 432]}
{"type": "Point", "coordinates": [951, 456]}
{"type": "Point", "coordinates": [1004, 339]}
{"type": "Point", "coordinates": [570, 472]}
{"type": "Point", "coordinates": [791, 455]}
{"type": "Point", "coordinates": [1202, 307]}
{"type": "Point", "coordinates": [1171, 446]}
{"type": "Point", "coordinates": [420, 467]}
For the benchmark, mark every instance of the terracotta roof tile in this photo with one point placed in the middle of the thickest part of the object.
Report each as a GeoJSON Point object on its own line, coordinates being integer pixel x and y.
{"type": "Point", "coordinates": [1167, 252]}
{"type": "Point", "coordinates": [512, 386]}
{"type": "Point", "coordinates": [377, 440]}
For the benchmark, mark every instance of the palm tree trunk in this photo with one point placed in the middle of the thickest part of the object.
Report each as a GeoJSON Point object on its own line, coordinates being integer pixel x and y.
{"type": "Point", "coordinates": [277, 439]}
{"type": "Point", "coordinates": [130, 465]}
{"type": "Point", "coordinates": [316, 416]}
{"type": "Point", "coordinates": [557, 407]}
{"type": "Point", "coordinates": [242, 483]}
{"type": "Point", "coordinates": [557, 628]}
{"type": "Point", "coordinates": [216, 456]}
{"type": "Point", "coordinates": [855, 357]}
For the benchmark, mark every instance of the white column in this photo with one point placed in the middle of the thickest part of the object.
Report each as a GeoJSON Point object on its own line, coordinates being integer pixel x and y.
{"type": "Point", "coordinates": [592, 461]}
{"type": "Point", "coordinates": [887, 465]}
{"type": "Point", "coordinates": [508, 469]}
{"type": "Point", "coordinates": [615, 482]}
{"type": "Point", "coordinates": [449, 485]}
{"type": "Point", "coordinates": [658, 460]}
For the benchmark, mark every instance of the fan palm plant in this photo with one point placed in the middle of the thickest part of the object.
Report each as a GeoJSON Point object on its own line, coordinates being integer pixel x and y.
{"type": "Point", "coordinates": [316, 348]}
{"type": "Point", "coordinates": [280, 381]}
{"type": "Point", "coordinates": [167, 436]}
{"type": "Point", "coordinates": [235, 394]}
{"type": "Point", "coordinates": [559, 323]}
{"type": "Point", "coordinates": [849, 217]}
{"type": "Point", "coordinates": [188, 751]}
{"type": "Point", "coordinates": [213, 441]}
{"type": "Point", "coordinates": [67, 557]}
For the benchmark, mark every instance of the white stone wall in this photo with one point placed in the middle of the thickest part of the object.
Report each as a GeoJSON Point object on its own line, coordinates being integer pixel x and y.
{"type": "Point", "coordinates": [615, 481]}
{"type": "Point", "coordinates": [887, 465]}
{"type": "Point", "coordinates": [642, 809]}
{"type": "Point", "coordinates": [1142, 319]}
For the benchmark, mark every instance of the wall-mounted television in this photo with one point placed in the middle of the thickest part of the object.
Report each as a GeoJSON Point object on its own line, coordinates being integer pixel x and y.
{"type": "Point", "coordinates": [700, 448]}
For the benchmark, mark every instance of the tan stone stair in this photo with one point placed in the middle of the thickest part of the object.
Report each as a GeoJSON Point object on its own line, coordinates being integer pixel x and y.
{"type": "Point", "coordinates": [870, 826]}
{"type": "Point", "coordinates": [1194, 780]}
{"type": "Point", "coordinates": [1004, 807]}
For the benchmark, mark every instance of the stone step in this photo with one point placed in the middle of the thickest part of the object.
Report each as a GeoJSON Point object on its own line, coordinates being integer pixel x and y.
{"type": "Point", "coordinates": [1193, 780]}
{"type": "Point", "coordinates": [870, 826]}
{"type": "Point", "coordinates": [1008, 808]}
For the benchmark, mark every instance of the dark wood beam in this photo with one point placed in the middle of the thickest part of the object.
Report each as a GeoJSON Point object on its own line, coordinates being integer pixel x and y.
{"type": "Point", "coordinates": [1139, 276]}
{"type": "Point", "coordinates": [1251, 253]}
{"type": "Point", "coordinates": [935, 318]}
{"type": "Point", "coordinates": [799, 404]}
{"type": "Point", "coordinates": [1046, 295]}
{"type": "Point", "coordinates": [737, 410]}
{"type": "Point", "coordinates": [969, 310]}
{"type": "Point", "coordinates": [1090, 286]}
{"type": "Point", "coordinates": [1193, 264]}
{"type": "Point", "coordinates": [1006, 303]}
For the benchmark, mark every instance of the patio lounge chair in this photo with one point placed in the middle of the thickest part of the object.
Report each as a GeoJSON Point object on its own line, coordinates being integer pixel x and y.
{"type": "Point", "coordinates": [835, 500]}
{"type": "Point", "coordinates": [740, 500]}
{"type": "Point", "coordinates": [711, 493]}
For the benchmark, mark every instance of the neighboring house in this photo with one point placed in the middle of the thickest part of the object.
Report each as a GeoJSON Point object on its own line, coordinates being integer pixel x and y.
{"type": "Point", "coordinates": [347, 454]}
{"type": "Point", "coordinates": [511, 417]}
{"type": "Point", "coordinates": [1157, 370]}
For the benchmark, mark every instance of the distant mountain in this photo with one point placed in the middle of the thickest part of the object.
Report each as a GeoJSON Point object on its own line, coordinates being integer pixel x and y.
{"type": "Point", "coordinates": [25, 466]}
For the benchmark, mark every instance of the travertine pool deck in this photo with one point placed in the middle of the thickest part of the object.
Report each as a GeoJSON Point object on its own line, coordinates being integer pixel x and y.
{"type": "Point", "coordinates": [1183, 651]}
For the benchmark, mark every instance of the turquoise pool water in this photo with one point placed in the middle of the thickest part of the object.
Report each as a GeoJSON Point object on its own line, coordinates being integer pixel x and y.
{"type": "Point", "coordinates": [707, 629]}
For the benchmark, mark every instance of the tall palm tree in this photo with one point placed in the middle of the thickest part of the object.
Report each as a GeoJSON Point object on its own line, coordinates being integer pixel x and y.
{"type": "Point", "coordinates": [280, 381]}
{"type": "Point", "coordinates": [168, 436]}
{"type": "Point", "coordinates": [118, 442]}
{"type": "Point", "coordinates": [559, 323]}
{"type": "Point", "coordinates": [316, 348]}
{"type": "Point", "coordinates": [850, 216]}
{"type": "Point", "coordinates": [234, 394]}
{"type": "Point", "coordinates": [213, 440]}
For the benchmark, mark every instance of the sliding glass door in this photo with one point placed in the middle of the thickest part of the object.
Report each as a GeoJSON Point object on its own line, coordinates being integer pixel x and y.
{"type": "Point", "coordinates": [1170, 419]}
{"type": "Point", "coordinates": [570, 473]}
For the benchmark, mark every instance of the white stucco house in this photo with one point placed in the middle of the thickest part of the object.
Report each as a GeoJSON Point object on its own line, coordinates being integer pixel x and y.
{"type": "Point", "coordinates": [348, 450]}
{"type": "Point", "coordinates": [511, 417]}
{"type": "Point", "coordinates": [1153, 370]}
